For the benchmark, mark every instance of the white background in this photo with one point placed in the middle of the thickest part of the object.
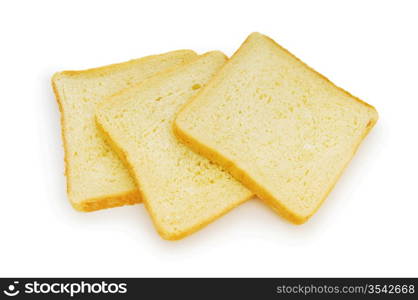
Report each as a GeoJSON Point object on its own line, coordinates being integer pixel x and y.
{"type": "Point", "coordinates": [367, 226]}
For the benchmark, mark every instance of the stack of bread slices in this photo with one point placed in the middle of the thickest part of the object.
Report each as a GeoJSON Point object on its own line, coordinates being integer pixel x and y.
{"type": "Point", "coordinates": [193, 136]}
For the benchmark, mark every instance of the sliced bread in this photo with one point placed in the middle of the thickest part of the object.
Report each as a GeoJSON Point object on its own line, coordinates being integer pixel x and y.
{"type": "Point", "coordinates": [96, 178]}
{"type": "Point", "coordinates": [282, 129]}
{"type": "Point", "coordinates": [182, 190]}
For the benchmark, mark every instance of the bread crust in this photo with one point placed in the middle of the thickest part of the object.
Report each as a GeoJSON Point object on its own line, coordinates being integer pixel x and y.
{"type": "Point", "coordinates": [124, 156]}
{"type": "Point", "coordinates": [107, 69]}
{"type": "Point", "coordinates": [239, 174]}
{"type": "Point", "coordinates": [92, 204]}
{"type": "Point", "coordinates": [161, 231]}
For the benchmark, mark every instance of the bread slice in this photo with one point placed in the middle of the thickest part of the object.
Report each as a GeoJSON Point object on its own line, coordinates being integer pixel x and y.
{"type": "Point", "coordinates": [182, 190]}
{"type": "Point", "coordinates": [279, 127]}
{"type": "Point", "coordinates": [96, 178]}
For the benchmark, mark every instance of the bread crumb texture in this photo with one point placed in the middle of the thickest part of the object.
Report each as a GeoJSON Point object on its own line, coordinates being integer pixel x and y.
{"type": "Point", "coordinates": [182, 190]}
{"type": "Point", "coordinates": [96, 178]}
{"type": "Point", "coordinates": [278, 126]}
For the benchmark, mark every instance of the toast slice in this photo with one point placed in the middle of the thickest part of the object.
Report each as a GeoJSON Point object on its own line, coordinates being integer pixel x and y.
{"type": "Point", "coordinates": [96, 178]}
{"type": "Point", "coordinates": [182, 190]}
{"type": "Point", "coordinates": [279, 127]}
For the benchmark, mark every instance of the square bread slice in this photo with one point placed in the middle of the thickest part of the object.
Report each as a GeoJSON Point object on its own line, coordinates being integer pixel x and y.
{"type": "Point", "coordinates": [279, 127]}
{"type": "Point", "coordinates": [96, 178]}
{"type": "Point", "coordinates": [182, 190]}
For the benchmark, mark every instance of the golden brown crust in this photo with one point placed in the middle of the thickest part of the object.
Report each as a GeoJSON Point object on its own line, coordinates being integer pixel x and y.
{"type": "Point", "coordinates": [313, 70]}
{"type": "Point", "coordinates": [201, 225]}
{"type": "Point", "coordinates": [369, 127]}
{"type": "Point", "coordinates": [241, 175]}
{"type": "Point", "coordinates": [166, 235]}
{"type": "Point", "coordinates": [93, 204]}
{"type": "Point", "coordinates": [124, 156]}
{"type": "Point", "coordinates": [105, 70]}
{"type": "Point", "coordinates": [128, 198]}
{"type": "Point", "coordinates": [247, 181]}
{"type": "Point", "coordinates": [62, 120]}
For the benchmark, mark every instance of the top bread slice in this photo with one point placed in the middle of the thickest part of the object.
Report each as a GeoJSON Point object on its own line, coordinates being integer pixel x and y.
{"type": "Point", "coordinates": [182, 190]}
{"type": "Point", "coordinates": [96, 178]}
{"type": "Point", "coordinates": [279, 127]}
